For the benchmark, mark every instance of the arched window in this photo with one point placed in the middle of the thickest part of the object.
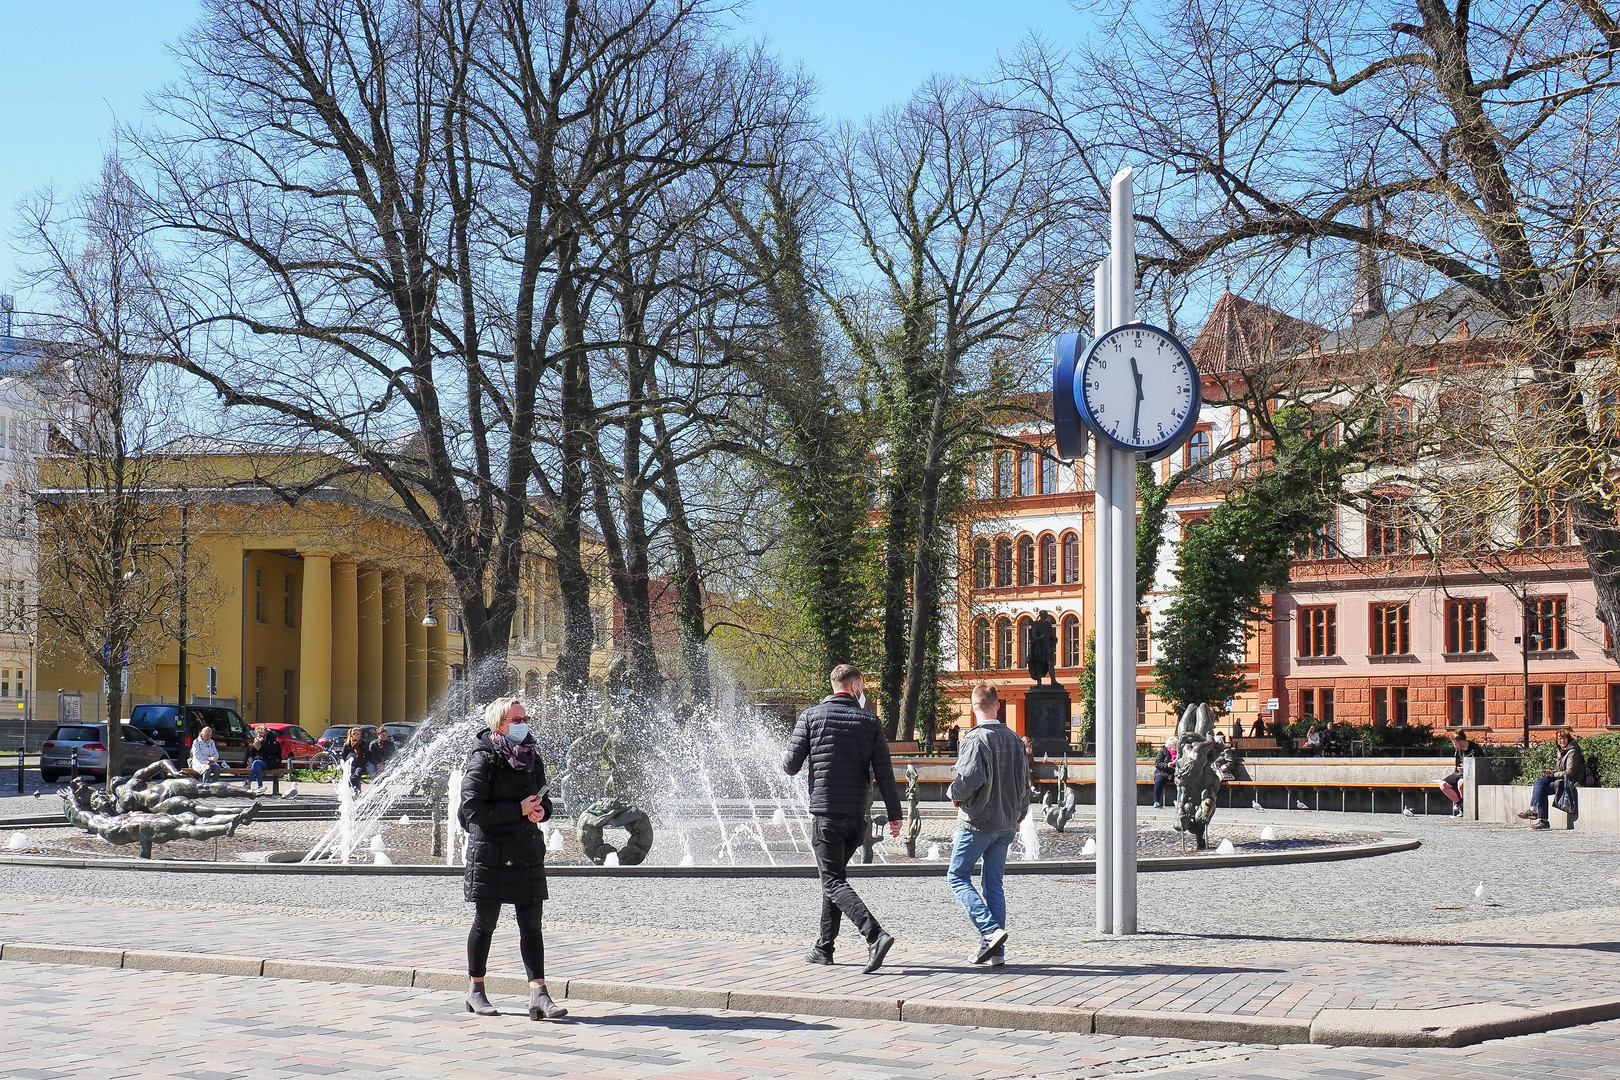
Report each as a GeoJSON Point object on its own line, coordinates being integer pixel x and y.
{"type": "Point", "coordinates": [1023, 640]}
{"type": "Point", "coordinates": [981, 563]}
{"type": "Point", "coordinates": [1028, 478]}
{"type": "Point", "coordinates": [1026, 560]}
{"type": "Point", "coordinates": [1071, 558]}
{"type": "Point", "coordinates": [1049, 565]}
{"type": "Point", "coordinates": [981, 644]}
{"type": "Point", "coordinates": [1003, 643]}
{"type": "Point", "coordinates": [1004, 562]}
{"type": "Point", "coordinates": [1071, 641]}
{"type": "Point", "coordinates": [531, 685]}
{"type": "Point", "coordinates": [1198, 451]}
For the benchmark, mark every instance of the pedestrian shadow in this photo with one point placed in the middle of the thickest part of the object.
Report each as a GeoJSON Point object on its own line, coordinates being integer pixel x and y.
{"type": "Point", "coordinates": [1591, 946]}
{"type": "Point", "coordinates": [1081, 969]}
{"type": "Point", "coordinates": [711, 1022]}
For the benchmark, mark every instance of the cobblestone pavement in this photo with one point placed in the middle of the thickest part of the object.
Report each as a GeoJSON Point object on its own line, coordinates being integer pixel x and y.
{"type": "Point", "coordinates": [64, 1022]}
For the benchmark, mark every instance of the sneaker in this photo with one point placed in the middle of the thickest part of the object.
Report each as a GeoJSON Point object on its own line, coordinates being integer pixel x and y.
{"type": "Point", "coordinates": [1527, 814]}
{"type": "Point", "coordinates": [990, 945]}
{"type": "Point", "coordinates": [1456, 811]}
{"type": "Point", "coordinates": [1158, 806]}
{"type": "Point", "coordinates": [877, 951]}
{"type": "Point", "coordinates": [816, 956]}
{"type": "Point", "coordinates": [1541, 824]}
{"type": "Point", "coordinates": [995, 960]}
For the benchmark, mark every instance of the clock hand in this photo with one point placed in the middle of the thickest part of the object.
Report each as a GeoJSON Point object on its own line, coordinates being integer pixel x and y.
{"type": "Point", "coordinates": [1136, 420]}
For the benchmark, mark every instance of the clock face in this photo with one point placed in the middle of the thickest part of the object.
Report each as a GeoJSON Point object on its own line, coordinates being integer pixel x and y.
{"type": "Point", "coordinates": [1137, 388]}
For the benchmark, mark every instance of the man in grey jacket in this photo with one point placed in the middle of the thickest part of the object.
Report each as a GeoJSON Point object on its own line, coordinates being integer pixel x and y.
{"type": "Point", "coordinates": [991, 791]}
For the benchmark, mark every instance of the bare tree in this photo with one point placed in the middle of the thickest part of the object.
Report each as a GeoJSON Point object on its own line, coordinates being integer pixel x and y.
{"type": "Point", "coordinates": [1471, 142]}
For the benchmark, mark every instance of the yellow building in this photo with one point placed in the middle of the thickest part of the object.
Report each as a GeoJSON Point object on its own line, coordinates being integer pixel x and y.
{"type": "Point", "coordinates": [310, 612]}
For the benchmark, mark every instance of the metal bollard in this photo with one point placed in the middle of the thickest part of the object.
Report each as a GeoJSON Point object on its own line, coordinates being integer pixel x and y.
{"type": "Point", "coordinates": [73, 763]}
{"type": "Point", "coordinates": [21, 752]}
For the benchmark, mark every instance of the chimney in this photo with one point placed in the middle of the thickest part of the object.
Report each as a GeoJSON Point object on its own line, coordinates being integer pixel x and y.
{"type": "Point", "coordinates": [1368, 296]}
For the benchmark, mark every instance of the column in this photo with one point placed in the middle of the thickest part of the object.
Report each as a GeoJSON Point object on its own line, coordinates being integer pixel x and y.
{"type": "Point", "coordinates": [416, 651]}
{"type": "Point", "coordinates": [438, 658]}
{"type": "Point", "coordinates": [369, 673]}
{"type": "Point", "coordinates": [345, 642]}
{"type": "Point", "coordinates": [393, 650]}
{"type": "Point", "coordinates": [315, 643]}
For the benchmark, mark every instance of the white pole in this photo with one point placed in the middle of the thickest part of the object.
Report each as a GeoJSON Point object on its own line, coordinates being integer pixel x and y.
{"type": "Point", "coordinates": [1102, 590]}
{"type": "Point", "coordinates": [1122, 262]}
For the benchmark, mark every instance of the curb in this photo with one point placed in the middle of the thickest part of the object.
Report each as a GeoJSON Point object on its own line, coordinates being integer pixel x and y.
{"type": "Point", "coordinates": [1457, 1025]}
{"type": "Point", "coordinates": [1076, 867]}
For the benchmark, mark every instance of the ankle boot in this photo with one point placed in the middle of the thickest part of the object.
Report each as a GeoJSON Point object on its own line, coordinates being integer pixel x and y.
{"type": "Point", "coordinates": [478, 1002]}
{"type": "Point", "coordinates": [541, 1007]}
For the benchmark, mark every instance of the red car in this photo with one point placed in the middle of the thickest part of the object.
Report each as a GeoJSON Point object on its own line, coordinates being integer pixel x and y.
{"type": "Point", "coordinates": [295, 741]}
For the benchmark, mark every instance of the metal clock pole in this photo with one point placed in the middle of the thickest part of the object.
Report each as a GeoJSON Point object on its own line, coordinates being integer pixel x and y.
{"type": "Point", "coordinates": [1122, 519]}
{"type": "Point", "coordinates": [1102, 622]}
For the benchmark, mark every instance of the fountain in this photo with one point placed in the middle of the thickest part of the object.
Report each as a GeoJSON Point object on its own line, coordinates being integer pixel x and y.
{"type": "Point", "coordinates": [157, 804]}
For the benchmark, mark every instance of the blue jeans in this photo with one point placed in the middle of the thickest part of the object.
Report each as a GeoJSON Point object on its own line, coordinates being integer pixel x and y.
{"type": "Point", "coordinates": [256, 771]}
{"type": "Point", "coordinates": [1541, 792]}
{"type": "Point", "coordinates": [989, 912]}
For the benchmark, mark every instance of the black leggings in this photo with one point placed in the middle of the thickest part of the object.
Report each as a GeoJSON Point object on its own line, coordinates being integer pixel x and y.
{"type": "Point", "coordinates": [533, 947]}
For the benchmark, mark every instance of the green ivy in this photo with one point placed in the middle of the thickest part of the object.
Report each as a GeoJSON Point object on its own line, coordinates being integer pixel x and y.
{"type": "Point", "coordinates": [1227, 565]}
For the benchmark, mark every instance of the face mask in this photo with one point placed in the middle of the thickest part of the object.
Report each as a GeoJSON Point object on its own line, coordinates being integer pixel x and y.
{"type": "Point", "coordinates": [518, 732]}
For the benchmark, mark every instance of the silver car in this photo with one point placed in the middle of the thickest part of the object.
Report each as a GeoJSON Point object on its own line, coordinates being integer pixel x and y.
{"type": "Point", "coordinates": [83, 748]}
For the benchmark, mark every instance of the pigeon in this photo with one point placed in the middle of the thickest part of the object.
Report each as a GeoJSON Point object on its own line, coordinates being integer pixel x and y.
{"type": "Point", "coordinates": [1299, 804]}
{"type": "Point", "coordinates": [1482, 893]}
{"type": "Point", "coordinates": [1407, 810]}
{"type": "Point", "coordinates": [292, 791]}
{"type": "Point", "coordinates": [1256, 805]}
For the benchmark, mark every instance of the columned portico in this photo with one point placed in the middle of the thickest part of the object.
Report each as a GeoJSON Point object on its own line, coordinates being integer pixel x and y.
{"type": "Point", "coordinates": [416, 651]}
{"type": "Point", "coordinates": [345, 642]}
{"type": "Point", "coordinates": [315, 642]}
{"type": "Point", "coordinates": [393, 647]}
{"type": "Point", "coordinates": [369, 677]}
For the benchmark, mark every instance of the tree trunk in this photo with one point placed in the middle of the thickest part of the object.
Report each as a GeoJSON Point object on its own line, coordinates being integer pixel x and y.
{"type": "Point", "coordinates": [688, 572]}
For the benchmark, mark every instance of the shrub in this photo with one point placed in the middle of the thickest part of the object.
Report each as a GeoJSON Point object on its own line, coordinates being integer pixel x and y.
{"type": "Point", "coordinates": [1602, 754]}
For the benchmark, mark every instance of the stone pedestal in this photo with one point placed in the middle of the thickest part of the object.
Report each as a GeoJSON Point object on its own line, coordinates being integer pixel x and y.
{"type": "Point", "coordinates": [1046, 719]}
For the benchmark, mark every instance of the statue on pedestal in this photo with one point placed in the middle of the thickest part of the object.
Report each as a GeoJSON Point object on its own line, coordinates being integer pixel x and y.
{"type": "Point", "coordinates": [1043, 648]}
{"type": "Point", "coordinates": [1197, 779]}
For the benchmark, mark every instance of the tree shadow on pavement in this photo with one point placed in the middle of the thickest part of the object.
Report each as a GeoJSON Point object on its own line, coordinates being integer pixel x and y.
{"type": "Point", "coordinates": [695, 1021]}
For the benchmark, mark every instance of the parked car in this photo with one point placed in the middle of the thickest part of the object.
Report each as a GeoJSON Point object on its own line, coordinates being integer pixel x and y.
{"type": "Point", "coordinates": [401, 734]}
{"type": "Point", "coordinates": [331, 739]}
{"type": "Point", "coordinates": [296, 743]}
{"type": "Point", "coordinates": [82, 748]}
{"type": "Point", "coordinates": [163, 724]}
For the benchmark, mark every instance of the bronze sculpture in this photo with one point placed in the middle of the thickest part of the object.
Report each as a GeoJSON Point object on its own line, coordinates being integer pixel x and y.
{"type": "Point", "coordinates": [1197, 779]}
{"type": "Point", "coordinates": [157, 804]}
{"type": "Point", "coordinates": [1043, 648]}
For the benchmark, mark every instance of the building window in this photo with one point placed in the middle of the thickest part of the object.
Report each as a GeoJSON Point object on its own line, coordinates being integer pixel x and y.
{"type": "Point", "coordinates": [1049, 475]}
{"type": "Point", "coordinates": [1389, 527]}
{"type": "Point", "coordinates": [1026, 560]}
{"type": "Point", "coordinates": [1144, 638]}
{"type": "Point", "coordinates": [1028, 475]}
{"type": "Point", "coordinates": [1071, 558]}
{"type": "Point", "coordinates": [1319, 631]}
{"type": "Point", "coordinates": [1390, 630]}
{"type": "Point", "coordinates": [981, 563]}
{"type": "Point", "coordinates": [1547, 625]}
{"type": "Point", "coordinates": [1463, 530]}
{"type": "Point", "coordinates": [1543, 520]}
{"type": "Point", "coordinates": [1547, 705]}
{"type": "Point", "coordinates": [1466, 705]}
{"type": "Point", "coordinates": [288, 714]}
{"type": "Point", "coordinates": [1071, 641]}
{"type": "Point", "coordinates": [1317, 704]}
{"type": "Point", "coordinates": [1198, 451]}
{"type": "Point", "coordinates": [1141, 708]}
{"type": "Point", "coordinates": [286, 600]}
{"type": "Point", "coordinates": [1004, 563]}
{"type": "Point", "coordinates": [1324, 542]}
{"type": "Point", "coordinates": [1023, 640]}
{"type": "Point", "coordinates": [1049, 560]}
{"type": "Point", "coordinates": [1004, 642]}
{"type": "Point", "coordinates": [1614, 704]}
{"type": "Point", "coordinates": [258, 593]}
{"type": "Point", "coordinates": [1465, 626]}
{"type": "Point", "coordinates": [981, 644]}
{"type": "Point", "coordinates": [1389, 705]}
{"type": "Point", "coordinates": [1191, 521]}
{"type": "Point", "coordinates": [1395, 423]}
{"type": "Point", "coordinates": [1004, 474]}
{"type": "Point", "coordinates": [258, 694]}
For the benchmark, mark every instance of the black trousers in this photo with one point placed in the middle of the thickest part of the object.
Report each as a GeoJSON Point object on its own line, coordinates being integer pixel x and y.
{"type": "Point", "coordinates": [1162, 786]}
{"type": "Point", "coordinates": [486, 913]}
{"type": "Point", "coordinates": [835, 841]}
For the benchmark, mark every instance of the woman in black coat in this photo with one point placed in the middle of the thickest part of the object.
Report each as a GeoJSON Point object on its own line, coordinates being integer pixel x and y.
{"type": "Point", "coordinates": [503, 802]}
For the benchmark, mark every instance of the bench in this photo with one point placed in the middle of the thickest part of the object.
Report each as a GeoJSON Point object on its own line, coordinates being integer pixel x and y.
{"type": "Point", "coordinates": [1289, 787]}
{"type": "Point", "coordinates": [273, 775]}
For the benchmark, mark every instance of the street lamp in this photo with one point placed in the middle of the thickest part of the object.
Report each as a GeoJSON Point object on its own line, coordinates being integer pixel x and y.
{"type": "Point", "coordinates": [431, 620]}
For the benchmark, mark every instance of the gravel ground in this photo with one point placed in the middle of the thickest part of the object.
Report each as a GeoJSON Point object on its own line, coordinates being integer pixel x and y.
{"type": "Point", "coordinates": [1538, 882]}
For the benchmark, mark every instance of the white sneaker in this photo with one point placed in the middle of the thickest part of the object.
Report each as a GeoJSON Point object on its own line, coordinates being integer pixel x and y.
{"type": "Point", "coordinates": [994, 960]}
{"type": "Point", "coordinates": [990, 945]}
{"type": "Point", "coordinates": [1456, 811]}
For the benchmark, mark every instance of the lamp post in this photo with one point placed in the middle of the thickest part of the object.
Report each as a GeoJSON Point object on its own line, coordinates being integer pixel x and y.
{"type": "Point", "coordinates": [431, 620]}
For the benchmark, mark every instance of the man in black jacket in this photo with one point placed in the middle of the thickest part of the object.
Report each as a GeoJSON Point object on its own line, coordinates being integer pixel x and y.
{"type": "Point", "coordinates": [846, 751]}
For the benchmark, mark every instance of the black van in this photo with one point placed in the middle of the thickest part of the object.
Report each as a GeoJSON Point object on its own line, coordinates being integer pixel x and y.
{"type": "Point", "coordinates": [161, 723]}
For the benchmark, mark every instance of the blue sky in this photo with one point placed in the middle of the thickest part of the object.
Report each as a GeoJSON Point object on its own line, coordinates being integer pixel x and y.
{"type": "Point", "coordinates": [71, 68]}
